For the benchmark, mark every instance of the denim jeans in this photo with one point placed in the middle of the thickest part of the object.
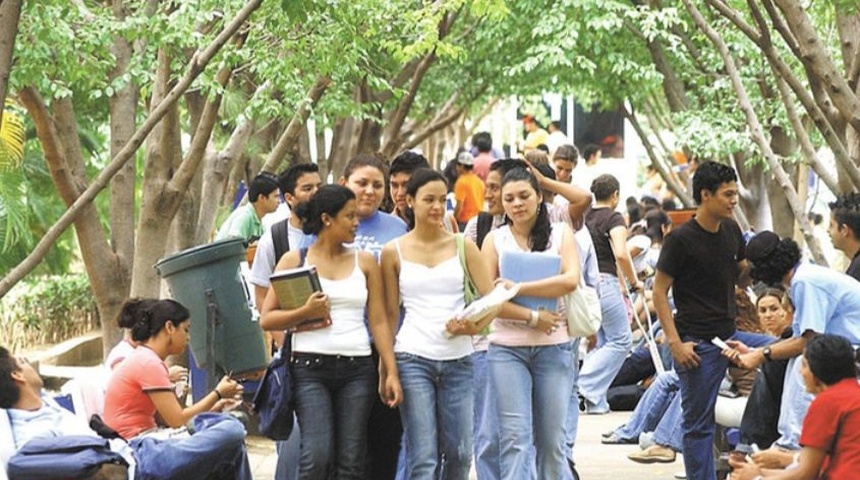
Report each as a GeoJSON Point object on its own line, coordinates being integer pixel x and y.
{"type": "Point", "coordinates": [486, 425]}
{"type": "Point", "coordinates": [333, 396]}
{"type": "Point", "coordinates": [216, 450]}
{"type": "Point", "coordinates": [669, 432]}
{"type": "Point", "coordinates": [652, 407]}
{"type": "Point", "coordinates": [571, 425]}
{"type": "Point", "coordinates": [289, 452]}
{"type": "Point", "coordinates": [699, 389]}
{"type": "Point", "coordinates": [437, 416]}
{"type": "Point", "coordinates": [532, 387]}
{"type": "Point", "coordinates": [613, 342]}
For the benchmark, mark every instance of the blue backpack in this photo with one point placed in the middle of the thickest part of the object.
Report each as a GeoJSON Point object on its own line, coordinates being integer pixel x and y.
{"type": "Point", "coordinates": [71, 456]}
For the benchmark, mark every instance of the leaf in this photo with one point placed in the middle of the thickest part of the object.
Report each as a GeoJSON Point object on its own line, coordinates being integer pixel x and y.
{"type": "Point", "coordinates": [11, 139]}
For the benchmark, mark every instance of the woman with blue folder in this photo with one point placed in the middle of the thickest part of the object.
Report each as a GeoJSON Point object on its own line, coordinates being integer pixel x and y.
{"type": "Point", "coordinates": [530, 350]}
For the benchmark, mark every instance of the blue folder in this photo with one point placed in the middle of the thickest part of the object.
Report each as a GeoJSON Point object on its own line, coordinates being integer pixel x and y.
{"type": "Point", "coordinates": [527, 267]}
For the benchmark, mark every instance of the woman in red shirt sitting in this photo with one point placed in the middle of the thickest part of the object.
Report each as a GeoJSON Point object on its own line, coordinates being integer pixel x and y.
{"type": "Point", "coordinates": [140, 387]}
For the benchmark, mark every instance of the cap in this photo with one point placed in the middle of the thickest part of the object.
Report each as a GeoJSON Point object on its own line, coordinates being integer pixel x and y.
{"type": "Point", "coordinates": [465, 159]}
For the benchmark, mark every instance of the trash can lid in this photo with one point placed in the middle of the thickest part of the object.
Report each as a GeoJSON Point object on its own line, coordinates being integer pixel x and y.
{"type": "Point", "coordinates": [200, 255]}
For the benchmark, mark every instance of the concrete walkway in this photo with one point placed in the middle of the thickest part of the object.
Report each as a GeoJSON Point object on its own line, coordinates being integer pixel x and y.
{"type": "Point", "coordinates": [594, 461]}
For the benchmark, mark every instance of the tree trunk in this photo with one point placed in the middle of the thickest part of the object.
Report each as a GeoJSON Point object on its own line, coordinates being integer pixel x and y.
{"type": "Point", "coordinates": [10, 13]}
{"type": "Point", "coordinates": [757, 132]}
{"type": "Point", "coordinates": [196, 66]}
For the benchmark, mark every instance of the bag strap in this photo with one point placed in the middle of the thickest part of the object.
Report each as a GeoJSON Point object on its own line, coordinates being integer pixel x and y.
{"type": "Point", "coordinates": [461, 252]}
{"type": "Point", "coordinates": [280, 239]}
{"type": "Point", "coordinates": [485, 224]}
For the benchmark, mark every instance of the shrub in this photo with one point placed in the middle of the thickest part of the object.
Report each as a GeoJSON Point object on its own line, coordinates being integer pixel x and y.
{"type": "Point", "coordinates": [46, 310]}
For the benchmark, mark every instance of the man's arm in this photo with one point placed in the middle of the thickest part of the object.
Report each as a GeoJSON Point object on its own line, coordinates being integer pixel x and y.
{"type": "Point", "coordinates": [683, 352]}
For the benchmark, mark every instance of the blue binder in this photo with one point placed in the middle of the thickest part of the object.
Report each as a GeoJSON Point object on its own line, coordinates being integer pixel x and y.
{"type": "Point", "coordinates": [527, 267]}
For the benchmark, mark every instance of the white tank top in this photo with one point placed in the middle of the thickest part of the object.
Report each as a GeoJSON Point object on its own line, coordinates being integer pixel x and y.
{"type": "Point", "coordinates": [347, 334]}
{"type": "Point", "coordinates": [431, 296]}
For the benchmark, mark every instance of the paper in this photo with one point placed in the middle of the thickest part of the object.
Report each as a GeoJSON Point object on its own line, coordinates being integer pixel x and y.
{"type": "Point", "coordinates": [489, 304]}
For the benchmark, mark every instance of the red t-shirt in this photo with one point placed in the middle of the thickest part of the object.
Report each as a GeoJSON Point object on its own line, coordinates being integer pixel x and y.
{"type": "Point", "coordinates": [128, 408]}
{"type": "Point", "coordinates": [832, 424]}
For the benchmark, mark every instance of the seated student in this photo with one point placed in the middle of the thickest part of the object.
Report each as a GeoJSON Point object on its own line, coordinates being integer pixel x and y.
{"type": "Point", "coordinates": [140, 388]}
{"type": "Point", "coordinates": [830, 437]}
{"type": "Point", "coordinates": [32, 414]}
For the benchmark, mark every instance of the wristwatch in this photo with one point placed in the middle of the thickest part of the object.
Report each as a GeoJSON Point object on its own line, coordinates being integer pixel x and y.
{"type": "Point", "coordinates": [766, 351]}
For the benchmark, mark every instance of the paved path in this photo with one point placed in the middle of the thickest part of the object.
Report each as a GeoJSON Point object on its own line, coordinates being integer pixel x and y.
{"type": "Point", "coordinates": [593, 460]}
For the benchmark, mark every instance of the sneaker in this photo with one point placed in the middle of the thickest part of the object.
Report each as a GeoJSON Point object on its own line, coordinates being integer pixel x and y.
{"type": "Point", "coordinates": [607, 433]}
{"type": "Point", "coordinates": [653, 454]}
{"type": "Point", "coordinates": [681, 475]}
{"type": "Point", "coordinates": [614, 439]}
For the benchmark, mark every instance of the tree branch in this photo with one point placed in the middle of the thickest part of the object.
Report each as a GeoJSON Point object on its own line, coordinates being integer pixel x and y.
{"type": "Point", "coordinates": [194, 69]}
{"type": "Point", "coordinates": [10, 14]}
{"type": "Point", "coordinates": [757, 132]}
{"type": "Point", "coordinates": [291, 134]}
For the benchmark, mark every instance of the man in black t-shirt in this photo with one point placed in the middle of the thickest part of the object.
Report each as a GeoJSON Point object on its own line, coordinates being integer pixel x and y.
{"type": "Point", "coordinates": [701, 261]}
{"type": "Point", "coordinates": [845, 228]}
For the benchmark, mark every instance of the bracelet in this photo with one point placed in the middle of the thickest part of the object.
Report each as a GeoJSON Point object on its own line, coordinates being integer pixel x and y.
{"type": "Point", "coordinates": [220, 397]}
{"type": "Point", "coordinates": [533, 319]}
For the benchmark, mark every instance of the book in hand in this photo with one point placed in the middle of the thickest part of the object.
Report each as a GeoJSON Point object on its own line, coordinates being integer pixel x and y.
{"type": "Point", "coordinates": [530, 266]}
{"type": "Point", "coordinates": [293, 287]}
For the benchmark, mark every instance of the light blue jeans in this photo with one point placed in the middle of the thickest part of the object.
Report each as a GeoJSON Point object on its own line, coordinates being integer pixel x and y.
{"type": "Point", "coordinates": [613, 342]}
{"type": "Point", "coordinates": [486, 425]}
{"type": "Point", "coordinates": [437, 416]}
{"type": "Point", "coordinates": [652, 407]}
{"type": "Point", "coordinates": [215, 450]}
{"type": "Point", "coordinates": [571, 426]}
{"type": "Point", "coordinates": [532, 387]}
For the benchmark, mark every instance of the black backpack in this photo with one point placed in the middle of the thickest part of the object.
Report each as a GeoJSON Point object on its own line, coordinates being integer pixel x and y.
{"type": "Point", "coordinates": [280, 239]}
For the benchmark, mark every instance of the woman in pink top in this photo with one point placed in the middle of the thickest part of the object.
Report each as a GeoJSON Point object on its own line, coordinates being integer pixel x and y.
{"type": "Point", "coordinates": [140, 387]}
{"type": "Point", "coordinates": [530, 352]}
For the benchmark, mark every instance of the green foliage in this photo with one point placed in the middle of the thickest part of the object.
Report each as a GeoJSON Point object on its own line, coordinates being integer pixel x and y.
{"type": "Point", "coordinates": [11, 138]}
{"type": "Point", "coordinates": [47, 309]}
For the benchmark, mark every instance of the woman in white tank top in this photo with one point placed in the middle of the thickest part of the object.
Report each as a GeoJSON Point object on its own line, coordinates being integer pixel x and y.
{"type": "Point", "coordinates": [334, 381]}
{"type": "Point", "coordinates": [530, 354]}
{"type": "Point", "coordinates": [422, 270]}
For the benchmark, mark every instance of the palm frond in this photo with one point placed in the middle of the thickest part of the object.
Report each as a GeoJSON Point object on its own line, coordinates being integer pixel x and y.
{"type": "Point", "coordinates": [11, 138]}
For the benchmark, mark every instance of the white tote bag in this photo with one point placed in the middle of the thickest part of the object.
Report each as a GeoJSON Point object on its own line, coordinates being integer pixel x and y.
{"type": "Point", "coordinates": [583, 310]}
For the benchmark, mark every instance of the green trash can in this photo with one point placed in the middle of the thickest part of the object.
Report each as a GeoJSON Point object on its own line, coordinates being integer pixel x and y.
{"type": "Point", "coordinates": [225, 337]}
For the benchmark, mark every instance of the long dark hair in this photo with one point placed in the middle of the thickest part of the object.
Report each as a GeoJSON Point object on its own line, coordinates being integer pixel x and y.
{"type": "Point", "coordinates": [420, 177]}
{"type": "Point", "coordinates": [145, 317]}
{"type": "Point", "coordinates": [540, 231]}
{"type": "Point", "coordinates": [329, 199]}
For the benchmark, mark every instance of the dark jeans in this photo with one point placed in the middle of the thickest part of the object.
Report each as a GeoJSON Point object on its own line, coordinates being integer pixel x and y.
{"type": "Point", "coordinates": [333, 395]}
{"type": "Point", "coordinates": [384, 432]}
{"type": "Point", "coordinates": [699, 389]}
{"type": "Point", "coordinates": [761, 415]}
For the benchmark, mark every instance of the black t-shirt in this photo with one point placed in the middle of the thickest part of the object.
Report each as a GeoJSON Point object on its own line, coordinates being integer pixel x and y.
{"type": "Point", "coordinates": [854, 268]}
{"type": "Point", "coordinates": [599, 222]}
{"type": "Point", "coordinates": [704, 267]}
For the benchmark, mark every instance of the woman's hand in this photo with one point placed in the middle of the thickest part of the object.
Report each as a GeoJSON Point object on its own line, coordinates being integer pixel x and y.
{"type": "Point", "coordinates": [508, 284]}
{"type": "Point", "coordinates": [318, 305]}
{"type": "Point", "coordinates": [229, 388]}
{"type": "Point", "coordinates": [774, 458]}
{"type": "Point", "coordinates": [548, 322]}
{"type": "Point", "coordinates": [177, 373]}
{"type": "Point", "coordinates": [461, 327]}
{"type": "Point", "coordinates": [390, 391]}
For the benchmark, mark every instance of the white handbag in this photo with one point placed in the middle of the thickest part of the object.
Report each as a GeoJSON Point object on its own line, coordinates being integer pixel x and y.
{"type": "Point", "coordinates": [582, 308]}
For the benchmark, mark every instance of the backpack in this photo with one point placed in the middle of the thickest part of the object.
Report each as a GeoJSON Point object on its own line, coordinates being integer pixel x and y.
{"type": "Point", "coordinates": [485, 223]}
{"type": "Point", "coordinates": [69, 456]}
{"type": "Point", "coordinates": [280, 239]}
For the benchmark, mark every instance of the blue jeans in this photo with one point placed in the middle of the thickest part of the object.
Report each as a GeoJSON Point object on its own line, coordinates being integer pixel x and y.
{"type": "Point", "coordinates": [669, 432]}
{"type": "Point", "coordinates": [571, 425]}
{"type": "Point", "coordinates": [793, 406]}
{"type": "Point", "coordinates": [651, 407]}
{"type": "Point", "coordinates": [333, 396]}
{"type": "Point", "coordinates": [289, 452]}
{"type": "Point", "coordinates": [699, 389]}
{"type": "Point", "coordinates": [532, 387]}
{"type": "Point", "coordinates": [215, 450]}
{"type": "Point", "coordinates": [486, 426]}
{"type": "Point", "coordinates": [437, 416]}
{"type": "Point", "coordinates": [613, 342]}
